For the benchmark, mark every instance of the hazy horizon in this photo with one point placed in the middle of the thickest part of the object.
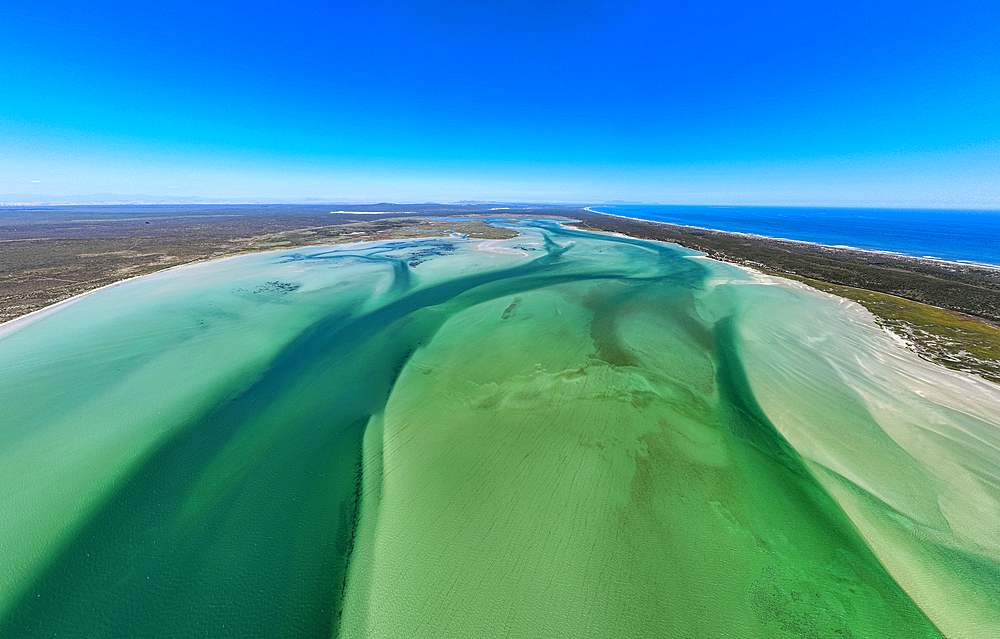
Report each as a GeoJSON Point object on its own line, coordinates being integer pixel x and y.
{"type": "Point", "coordinates": [112, 199]}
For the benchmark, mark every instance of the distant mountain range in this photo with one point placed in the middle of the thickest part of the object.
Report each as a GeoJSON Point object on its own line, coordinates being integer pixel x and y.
{"type": "Point", "coordinates": [118, 198]}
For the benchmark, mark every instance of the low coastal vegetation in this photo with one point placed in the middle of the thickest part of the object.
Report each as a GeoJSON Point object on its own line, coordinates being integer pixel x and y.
{"type": "Point", "coordinates": [387, 229]}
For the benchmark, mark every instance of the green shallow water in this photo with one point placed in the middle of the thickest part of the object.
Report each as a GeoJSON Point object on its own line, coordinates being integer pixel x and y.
{"type": "Point", "coordinates": [564, 434]}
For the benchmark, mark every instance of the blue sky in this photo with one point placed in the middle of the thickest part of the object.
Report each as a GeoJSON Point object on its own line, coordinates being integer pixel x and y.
{"type": "Point", "coordinates": [830, 103]}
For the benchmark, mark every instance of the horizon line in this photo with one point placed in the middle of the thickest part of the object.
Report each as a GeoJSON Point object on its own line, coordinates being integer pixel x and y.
{"type": "Point", "coordinates": [199, 201]}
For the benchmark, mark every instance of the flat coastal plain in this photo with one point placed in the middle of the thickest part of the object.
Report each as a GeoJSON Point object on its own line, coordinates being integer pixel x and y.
{"type": "Point", "coordinates": [53, 253]}
{"type": "Point", "coordinates": [561, 433]}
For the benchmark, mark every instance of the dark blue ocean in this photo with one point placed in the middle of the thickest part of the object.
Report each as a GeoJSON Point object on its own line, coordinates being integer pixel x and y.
{"type": "Point", "coordinates": [967, 236]}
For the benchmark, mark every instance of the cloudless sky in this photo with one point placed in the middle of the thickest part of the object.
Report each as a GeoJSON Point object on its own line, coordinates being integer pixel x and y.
{"type": "Point", "coordinates": [885, 103]}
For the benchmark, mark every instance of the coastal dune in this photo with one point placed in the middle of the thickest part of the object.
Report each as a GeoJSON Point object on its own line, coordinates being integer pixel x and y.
{"type": "Point", "coordinates": [560, 434]}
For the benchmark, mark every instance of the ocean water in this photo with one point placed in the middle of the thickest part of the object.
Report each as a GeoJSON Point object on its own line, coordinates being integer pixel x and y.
{"type": "Point", "coordinates": [972, 236]}
{"type": "Point", "coordinates": [564, 434]}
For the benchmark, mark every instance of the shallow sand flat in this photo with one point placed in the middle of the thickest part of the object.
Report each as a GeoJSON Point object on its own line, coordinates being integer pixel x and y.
{"type": "Point", "coordinates": [911, 450]}
{"type": "Point", "coordinates": [568, 436]}
{"type": "Point", "coordinates": [557, 463]}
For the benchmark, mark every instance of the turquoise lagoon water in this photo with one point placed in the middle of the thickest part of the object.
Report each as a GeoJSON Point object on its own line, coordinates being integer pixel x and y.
{"type": "Point", "coordinates": [562, 434]}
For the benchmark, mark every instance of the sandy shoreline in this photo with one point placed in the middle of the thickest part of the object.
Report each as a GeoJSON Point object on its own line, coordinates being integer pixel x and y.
{"type": "Point", "coordinates": [630, 228]}
{"type": "Point", "coordinates": [16, 323]}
